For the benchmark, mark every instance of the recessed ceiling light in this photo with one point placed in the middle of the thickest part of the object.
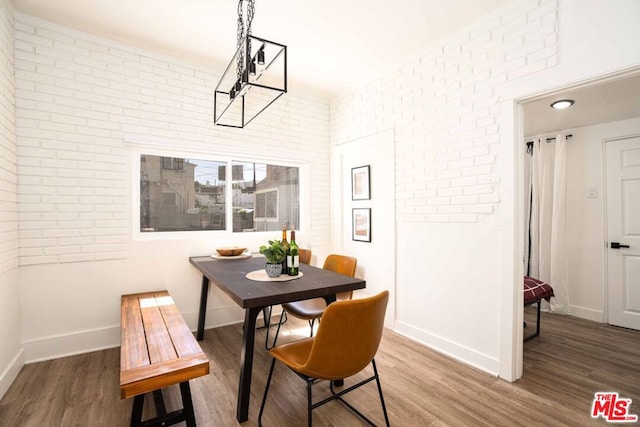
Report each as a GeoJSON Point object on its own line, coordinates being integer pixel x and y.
{"type": "Point", "coordinates": [562, 104]}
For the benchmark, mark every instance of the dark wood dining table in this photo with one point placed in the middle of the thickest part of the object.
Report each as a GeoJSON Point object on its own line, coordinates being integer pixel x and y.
{"type": "Point", "coordinates": [229, 275]}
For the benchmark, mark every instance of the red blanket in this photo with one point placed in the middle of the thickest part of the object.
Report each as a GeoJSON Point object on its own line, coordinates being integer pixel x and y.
{"type": "Point", "coordinates": [535, 290]}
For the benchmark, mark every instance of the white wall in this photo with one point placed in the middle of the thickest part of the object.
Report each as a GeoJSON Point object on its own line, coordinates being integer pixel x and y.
{"type": "Point", "coordinates": [11, 358]}
{"type": "Point", "coordinates": [452, 111]}
{"type": "Point", "coordinates": [443, 108]}
{"type": "Point", "coordinates": [84, 107]}
{"type": "Point", "coordinates": [377, 258]}
{"type": "Point", "coordinates": [586, 216]}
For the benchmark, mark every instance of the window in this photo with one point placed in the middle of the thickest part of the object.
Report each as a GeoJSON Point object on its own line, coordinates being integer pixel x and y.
{"type": "Point", "coordinates": [172, 163]}
{"type": "Point", "coordinates": [266, 198]}
{"type": "Point", "coordinates": [179, 194]}
{"type": "Point", "coordinates": [267, 205]}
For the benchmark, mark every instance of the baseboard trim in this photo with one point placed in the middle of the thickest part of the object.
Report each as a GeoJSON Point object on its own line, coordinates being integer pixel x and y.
{"type": "Point", "coordinates": [449, 348]}
{"type": "Point", "coordinates": [79, 342]}
{"type": "Point", "coordinates": [55, 347]}
{"type": "Point", "coordinates": [587, 313]}
{"type": "Point", "coordinates": [9, 375]}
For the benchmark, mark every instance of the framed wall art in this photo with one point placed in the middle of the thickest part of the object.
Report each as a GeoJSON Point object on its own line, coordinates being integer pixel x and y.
{"type": "Point", "coordinates": [361, 228]}
{"type": "Point", "coordinates": [360, 183]}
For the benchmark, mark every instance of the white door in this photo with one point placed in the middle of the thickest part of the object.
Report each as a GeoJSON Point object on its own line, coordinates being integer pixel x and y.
{"type": "Point", "coordinates": [623, 229]}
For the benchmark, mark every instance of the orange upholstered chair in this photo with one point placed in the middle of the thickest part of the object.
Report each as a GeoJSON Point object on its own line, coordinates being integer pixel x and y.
{"type": "Point", "coordinates": [346, 343]}
{"type": "Point", "coordinates": [304, 256]}
{"type": "Point", "coordinates": [312, 309]}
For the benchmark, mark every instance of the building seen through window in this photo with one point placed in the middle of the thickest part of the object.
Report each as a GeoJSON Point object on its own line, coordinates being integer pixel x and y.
{"type": "Point", "coordinates": [191, 194]}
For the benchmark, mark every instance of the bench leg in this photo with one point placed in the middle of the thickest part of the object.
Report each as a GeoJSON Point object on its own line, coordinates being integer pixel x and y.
{"type": "Point", "coordinates": [537, 324]}
{"type": "Point", "coordinates": [162, 417]}
{"type": "Point", "coordinates": [187, 404]}
{"type": "Point", "coordinates": [538, 319]}
{"type": "Point", "coordinates": [158, 400]}
{"type": "Point", "coordinates": [136, 411]}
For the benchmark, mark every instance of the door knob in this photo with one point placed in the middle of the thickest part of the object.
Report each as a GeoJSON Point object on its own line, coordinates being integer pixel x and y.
{"type": "Point", "coordinates": [616, 245]}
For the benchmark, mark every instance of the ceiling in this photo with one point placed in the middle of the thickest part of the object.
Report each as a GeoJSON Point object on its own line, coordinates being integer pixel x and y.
{"type": "Point", "coordinates": [602, 102]}
{"type": "Point", "coordinates": [333, 45]}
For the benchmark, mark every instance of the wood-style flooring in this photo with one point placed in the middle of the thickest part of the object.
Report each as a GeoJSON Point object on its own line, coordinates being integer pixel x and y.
{"type": "Point", "coordinates": [563, 368]}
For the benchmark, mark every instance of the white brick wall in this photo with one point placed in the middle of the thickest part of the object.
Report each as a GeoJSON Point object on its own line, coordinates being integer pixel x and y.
{"type": "Point", "coordinates": [78, 96]}
{"type": "Point", "coordinates": [8, 160]}
{"type": "Point", "coordinates": [443, 107]}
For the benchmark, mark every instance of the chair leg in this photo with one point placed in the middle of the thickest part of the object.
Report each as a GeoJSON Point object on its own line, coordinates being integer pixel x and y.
{"type": "Point", "coordinates": [283, 315]}
{"type": "Point", "coordinates": [311, 323]}
{"type": "Point", "coordinates": [266, 391]}
{"type": "Point", "coordinates": [266, 318]}
{"type": "Point", "coordinates": [338, 396]}
{"type": "Point", "coordinates": [309, 403]}
{"type": "Point", "coordinates": [384, 407]}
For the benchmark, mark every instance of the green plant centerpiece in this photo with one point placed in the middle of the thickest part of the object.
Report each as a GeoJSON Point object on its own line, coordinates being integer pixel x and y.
{"type": "Point", "coordinates": [275, 255]}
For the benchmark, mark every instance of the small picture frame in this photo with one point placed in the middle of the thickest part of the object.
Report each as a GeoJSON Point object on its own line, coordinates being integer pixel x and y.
{"type": "Point", "coordinates": [360, 183]}
{"type": "Point", "coordinates": [361, 228]}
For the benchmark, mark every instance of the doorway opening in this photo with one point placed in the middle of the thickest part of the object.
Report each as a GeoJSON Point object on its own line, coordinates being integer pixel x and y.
{"type": "Point", "coordinates": [605, 109]}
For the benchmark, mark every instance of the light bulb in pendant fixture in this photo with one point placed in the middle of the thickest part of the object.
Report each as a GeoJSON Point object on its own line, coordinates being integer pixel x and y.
{"type": "Point", "coordinates": [261, 56]}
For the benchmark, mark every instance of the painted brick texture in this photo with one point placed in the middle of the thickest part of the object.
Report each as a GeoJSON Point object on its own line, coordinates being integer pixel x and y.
{"type": "Point", "coordinates": [80, 98]}
{"type": "Point", "coordinates": [444, 107]}
{"type": "Point", "coordinates": [9, 241]}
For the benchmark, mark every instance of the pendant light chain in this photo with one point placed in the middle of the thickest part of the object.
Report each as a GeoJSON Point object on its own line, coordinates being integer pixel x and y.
{"type": "Point", "coordinates": [241, 33]}
{"type": "Point", "coordinates": [239, 36]}
{"type": "Point", "coordinates": [251, 9]}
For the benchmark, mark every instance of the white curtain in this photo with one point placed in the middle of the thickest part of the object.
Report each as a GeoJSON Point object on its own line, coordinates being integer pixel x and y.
{"type": "Point", "coordinates": [545, 250]}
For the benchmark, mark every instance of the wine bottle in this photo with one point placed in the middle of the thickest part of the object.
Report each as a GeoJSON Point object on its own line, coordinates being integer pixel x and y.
{"type": "Point", "coordinates": [285, 246]}
{"type": "Point", "coordinates": [293, 257]}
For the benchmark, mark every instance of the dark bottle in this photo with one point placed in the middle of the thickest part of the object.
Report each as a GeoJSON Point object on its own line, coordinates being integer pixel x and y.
{"type": "Point", "coordinates": [292, 257]}
{"type": "Point", "coordinates": [285, 246]}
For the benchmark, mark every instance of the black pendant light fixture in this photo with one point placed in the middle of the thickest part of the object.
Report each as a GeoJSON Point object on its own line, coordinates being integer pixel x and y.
{"type": "Point", "coordinates": [255, 77]}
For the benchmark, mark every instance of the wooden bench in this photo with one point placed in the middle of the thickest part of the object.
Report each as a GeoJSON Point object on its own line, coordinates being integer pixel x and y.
{"type": "Point", "coordinates": [157, 350]}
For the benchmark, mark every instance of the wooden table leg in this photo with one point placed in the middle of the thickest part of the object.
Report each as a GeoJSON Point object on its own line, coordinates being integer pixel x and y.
{"type": "Point", "coordinates": [204, 294]}
{"type": "Point", "coordinates": [329, 298]}
{"type": "Point", "coordinates": [246, 363]}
